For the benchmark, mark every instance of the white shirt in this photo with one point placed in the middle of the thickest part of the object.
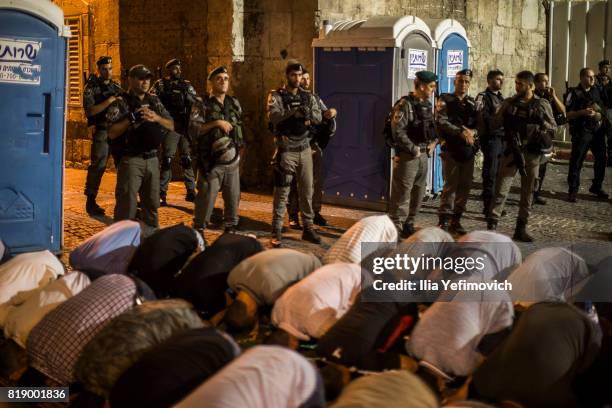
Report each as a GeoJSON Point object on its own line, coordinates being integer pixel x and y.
{"type": "Point", "coordinates": [348, 248]}
{"type": "Point", "coordinates": [28, 271]}
{"type": "Point", "coordinates": [311, 306]}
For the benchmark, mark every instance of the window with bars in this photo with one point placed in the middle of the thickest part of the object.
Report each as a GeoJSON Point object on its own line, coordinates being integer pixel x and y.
{"type": "Point", "coordinates": [75, 62]}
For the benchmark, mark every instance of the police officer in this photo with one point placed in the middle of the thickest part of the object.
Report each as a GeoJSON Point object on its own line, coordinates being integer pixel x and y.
{"type": "Point", "coordinates": [216, 128]}
{"type": "Point", "coordinates": [320, 136]}
{"type": "Point", "coordinates": [142, 119]}
{"type": "Point", "coordinates": [491, 138]}
{"type": "Point", "coordinates": [291, 111]}
{"type": "Point", "coordinates": [603, 75]}
{"type": "Point", "coordinates": [178, 96]}
{"type": "Point", "coordinates": [585, 116]}
{"type": "Point", "coordinates": [547, 92]}
{"type": "Point", "coordinates": [528, 129]}
{"type": "Point", "coordinates": [99, 93]}
{"type": "Point", "coordinates": [604, 85]}
{"type": "Point", "coordinates": [456, 120]}
{"type": "Point", "coordinates": [412, 132]}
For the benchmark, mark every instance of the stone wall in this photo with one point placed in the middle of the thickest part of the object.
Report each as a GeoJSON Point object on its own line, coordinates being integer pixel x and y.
{"type": "Point", "coordinates": [505, 34]}
{"type": "Point", "coordinates": [274, 32]}
{"type": "Point", "coordinates": [152, 32]}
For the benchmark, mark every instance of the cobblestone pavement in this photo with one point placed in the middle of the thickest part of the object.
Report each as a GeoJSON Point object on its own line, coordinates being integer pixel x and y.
{"type": "Point", "coordinates": [587, 220]}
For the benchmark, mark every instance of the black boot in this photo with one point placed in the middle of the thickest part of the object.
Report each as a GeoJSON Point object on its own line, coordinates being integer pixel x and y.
{"type": "Point", "coordinates": [294, 221]}
{"type": "Point", "coordinates": [537, 199]}
{"type": "Point", "coordinates": [92, 207]}
{"type": "Point", "coordinates": [455, 225]}
{"type": "Point", "coordinates": [311, 235]}
{"type": "Point", "coordinates": [407, 230]}
{"type": "Point", "coordinates": [277, 238]}
{"type": "Point", "coordinates": [162, 200]}
{"type": "Point", "coordinates": [598, 192]}
{"type": "Point", "coordinates": [520, 233]}
{"type": "Point", "coordinates": [491, 224]}
{"type": "Point", "coordinates": [190, 196]}
{"type": "Point", "coordinates": [443, 222]}
{"type": "Point", "coordinates": [319, 220]}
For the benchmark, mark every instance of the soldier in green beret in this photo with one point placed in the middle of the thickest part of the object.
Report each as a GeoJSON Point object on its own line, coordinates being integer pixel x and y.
{"type": "Point", "coordinates": [411, 133]}
{"type": "Point", "coordinates": [216, 127]}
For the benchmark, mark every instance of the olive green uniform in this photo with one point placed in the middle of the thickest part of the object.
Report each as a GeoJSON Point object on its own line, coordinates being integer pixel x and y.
{"type": "Point", "coordinates": [138, 171]}
{"type": "Point", "coordinates": [218, 157]}
{"type": "Point", "coordinates": [178, 96]}
{"type": "Point", "coordinates": [293, 156]}
{"type": "Point", "coordinates": [96, 92]}
{"type": "Point", "coordinates": [457, 155]}
{"type": "Point", "coordinates": [530, 123]}
{"type": "Point", "coordinates": [412, 128]}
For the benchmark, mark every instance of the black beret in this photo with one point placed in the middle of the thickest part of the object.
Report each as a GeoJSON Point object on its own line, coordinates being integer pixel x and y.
{"type": "Point", "coordinates": [604, 62]}
{"type": "Point", "coordinates": [104, 60]}
{"type": "Point", "coordinates": [173, 61]}
{"type": "Point", "coordinates": [294, 66]}
{"type": "Point", "coordinates": [466, 72]}
{"type": "Point", "coordinates": [140, 71]}
{"type": "Point", "coordinates": [426, 76]}
{"type": "Point", "coordinates": [219, 70]}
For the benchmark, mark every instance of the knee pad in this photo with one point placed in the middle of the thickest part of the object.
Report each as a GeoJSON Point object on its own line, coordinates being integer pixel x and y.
{"type": "Point", "coordinates": [186, 162]}
{"type": "Point", "coordinates": [166, 163]}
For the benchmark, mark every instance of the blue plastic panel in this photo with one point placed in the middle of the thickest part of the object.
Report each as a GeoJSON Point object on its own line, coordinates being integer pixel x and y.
{"type": "Point", "coordinates": [32, 81]}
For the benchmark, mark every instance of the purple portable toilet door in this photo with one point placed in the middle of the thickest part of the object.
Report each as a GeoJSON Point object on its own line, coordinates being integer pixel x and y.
{"type": "Point", "coordinates": [358, 83]}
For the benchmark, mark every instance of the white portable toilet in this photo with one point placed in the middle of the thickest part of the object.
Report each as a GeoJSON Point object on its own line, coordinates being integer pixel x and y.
{"type": "Point", "coordinates": [362, 67]}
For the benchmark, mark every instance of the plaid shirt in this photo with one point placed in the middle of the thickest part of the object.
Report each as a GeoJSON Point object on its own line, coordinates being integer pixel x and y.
{"type": "Point", "coordinates": [55, 344]}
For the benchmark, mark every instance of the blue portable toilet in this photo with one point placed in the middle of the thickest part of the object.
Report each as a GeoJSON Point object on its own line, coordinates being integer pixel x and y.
{"type": "Point", "coordinates": [32, 84]}
{"type": "Point", "coordinates": [362, 68]}
{"type": "Point", "coordinates": [452, 55]}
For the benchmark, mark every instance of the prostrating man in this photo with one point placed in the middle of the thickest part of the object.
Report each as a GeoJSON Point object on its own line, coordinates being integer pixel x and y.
{"type": "Point", "coordinates": [291, 112]}
{"type": "Point", "coordinates": [528, 126]}
{"type": "Point", "coordinates": [320, 136]}
{"type": "Point", "coordinates": [491, 138]}
{"type": "Point", "coordinates": [178, 96]}
{"type": "Point", "coordinates": [587, 127]}
{"type": "Point", "coordinates": [99, 93]}
{"type": "Point", "coordinates": [216, 126]}
{"type": "Point", "coordinates": [457, 124]}
{"type": "Point", "coordinates": [142, 119]}
{"type": "Point", "coordinates": [411, 132]}
{"type": "Point", "coordinates": [547, 92]}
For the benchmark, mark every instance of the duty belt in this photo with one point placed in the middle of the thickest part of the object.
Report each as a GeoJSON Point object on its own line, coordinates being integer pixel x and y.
{"type": "Point", "coordinates": [145, 155]}
{"type": "Point", "coordinates": [304, 144]}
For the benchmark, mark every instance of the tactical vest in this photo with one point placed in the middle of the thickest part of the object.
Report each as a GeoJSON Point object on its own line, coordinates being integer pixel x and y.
{"type": "Point", "coordinates": [145, 136]}
{"type": "Point", "coordinates": [585, 100]}
{"type": "Point", "coordinates": [491, 102]}
{"type": "Point", "coordinates": [173, 94]}
{"type": "Point", "coordinates": [460, 113]}
{"type": "Point", "coordinates": [293, 127]}
{"type": "Point", "coordinates": [102, 93]}
{"type": "Point", "coordinates": [222, 148]}
{"type": "Point", "coordinates": [421, 128]}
